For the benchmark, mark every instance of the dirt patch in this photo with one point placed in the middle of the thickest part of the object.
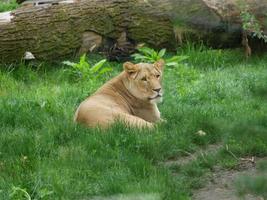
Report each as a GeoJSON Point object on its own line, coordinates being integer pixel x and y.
{"type": "Point", "coordinates": [213, 148]}
{"type": "Point", "coordinates": [221, 185]}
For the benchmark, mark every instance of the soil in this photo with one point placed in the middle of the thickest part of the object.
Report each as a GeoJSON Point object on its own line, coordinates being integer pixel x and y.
{"type": "Point", "coordinates": [214, 148]}
{"type": "Point", "coordinates": [221, 185]}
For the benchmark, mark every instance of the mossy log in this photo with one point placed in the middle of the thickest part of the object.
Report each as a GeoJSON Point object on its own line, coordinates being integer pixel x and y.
{"type": "Point", "coordinates": [53, 31]}
{"type": "Point", "coordinates": [58, 28]}
{"type": "Point", "coordinates": [218, 23]}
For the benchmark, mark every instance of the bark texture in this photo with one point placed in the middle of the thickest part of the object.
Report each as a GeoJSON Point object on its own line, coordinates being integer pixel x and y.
{"type": "Point", "coordinates": [52, 31]}
{"type": "Point", "coordinates": [216, 22]}
{"type": "Point", "coordinates": [70, 27]}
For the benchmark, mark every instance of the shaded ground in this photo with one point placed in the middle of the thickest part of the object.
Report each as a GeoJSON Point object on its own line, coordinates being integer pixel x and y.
{"type": "Point", "coordinates": [213, 148]}
{"type": "Point", "coordinates": [221, 185]}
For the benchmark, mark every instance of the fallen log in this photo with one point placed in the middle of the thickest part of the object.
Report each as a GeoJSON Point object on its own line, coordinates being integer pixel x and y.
{"type": "Point", "coordinates": [51, 29]}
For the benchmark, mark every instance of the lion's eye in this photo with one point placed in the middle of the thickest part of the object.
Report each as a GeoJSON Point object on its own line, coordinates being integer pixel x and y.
{"type": "Point", "coordinates": [144, 79]}
{"type": "Point", "coordinates": [157, 76]}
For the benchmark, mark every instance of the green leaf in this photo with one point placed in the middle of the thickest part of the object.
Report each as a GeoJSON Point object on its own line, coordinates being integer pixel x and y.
{"type": "Point", "coordinates": [83, 58]}
{"type": "Point", "coordinates": [83, 62]}
{"type": "Point", "coordinates": [161, 53]}
{"type": "Point", "coordinates": [154, 56]}
{"type": "Point", "coordinates": [147, 51]}
{"type": "Point", "coordinates": [72, 64]}
{"type": "Point", "coordinates": [177, 59]}
{"type": "Point", "coordinates": [139, 57]}
{"type": "Point", "coordinates": [171, 64]}
{"type": "Point", "coordinates": [105, 70]}
{"type": "Point", "coordinates": [98, 65]}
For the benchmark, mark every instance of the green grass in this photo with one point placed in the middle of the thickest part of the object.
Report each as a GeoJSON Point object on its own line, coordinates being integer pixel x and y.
{"type": "Point", "coordinates": [49, 157]}
{"type": "Point", "coordinates": [8, 5]}
{"type": "Point", "coordinates": [254, 185]}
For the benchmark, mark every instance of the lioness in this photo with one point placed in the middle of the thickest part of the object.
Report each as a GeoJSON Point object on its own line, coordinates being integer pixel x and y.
{"type": "Point", "coordinates": [130, 97]}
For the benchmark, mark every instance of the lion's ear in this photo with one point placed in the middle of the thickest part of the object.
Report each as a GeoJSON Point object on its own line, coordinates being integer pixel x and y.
{"type": "Point", "coordinates": [159, 64]}
{"type": "Point", "coordinates": [131, 69]}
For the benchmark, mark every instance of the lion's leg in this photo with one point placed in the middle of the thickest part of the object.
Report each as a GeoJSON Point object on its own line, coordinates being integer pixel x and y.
{"type": "Point", "coordinates": [94, 116]}
{"type": "Point", "coordinates": [102, 116]}
{"type": "Point", "coordinates": [150, 114]}
{"type": "Point", "coordinates": [134, 121]}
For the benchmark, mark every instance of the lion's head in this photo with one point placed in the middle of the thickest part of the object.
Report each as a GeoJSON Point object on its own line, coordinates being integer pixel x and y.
{"type": "Point", "coordinates": [144, 80]}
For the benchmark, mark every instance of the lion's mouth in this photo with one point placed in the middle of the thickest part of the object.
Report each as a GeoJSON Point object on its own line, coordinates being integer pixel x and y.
{"type": "Point", "coordinates": [158, 96]}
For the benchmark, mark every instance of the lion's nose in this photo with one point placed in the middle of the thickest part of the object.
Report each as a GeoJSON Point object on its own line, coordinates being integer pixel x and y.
{"type": "Point", "coordinates": [157, 90]}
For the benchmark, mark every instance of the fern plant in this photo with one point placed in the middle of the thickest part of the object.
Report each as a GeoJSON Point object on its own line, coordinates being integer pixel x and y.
{"type": "Point", "coordinates": [84, 70]}
{"type": "Point", "coordinates": [150, 55]}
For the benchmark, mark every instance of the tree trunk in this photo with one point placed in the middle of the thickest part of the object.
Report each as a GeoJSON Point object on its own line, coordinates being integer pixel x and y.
{"type": "Point", "coordinates": [216, 22]}
{"type": "Point", "coordinates": [53, 29]}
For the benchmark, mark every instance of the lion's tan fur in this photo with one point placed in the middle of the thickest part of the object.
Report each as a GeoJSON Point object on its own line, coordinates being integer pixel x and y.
{"type": "Point", "coordinates": [127, 97]}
